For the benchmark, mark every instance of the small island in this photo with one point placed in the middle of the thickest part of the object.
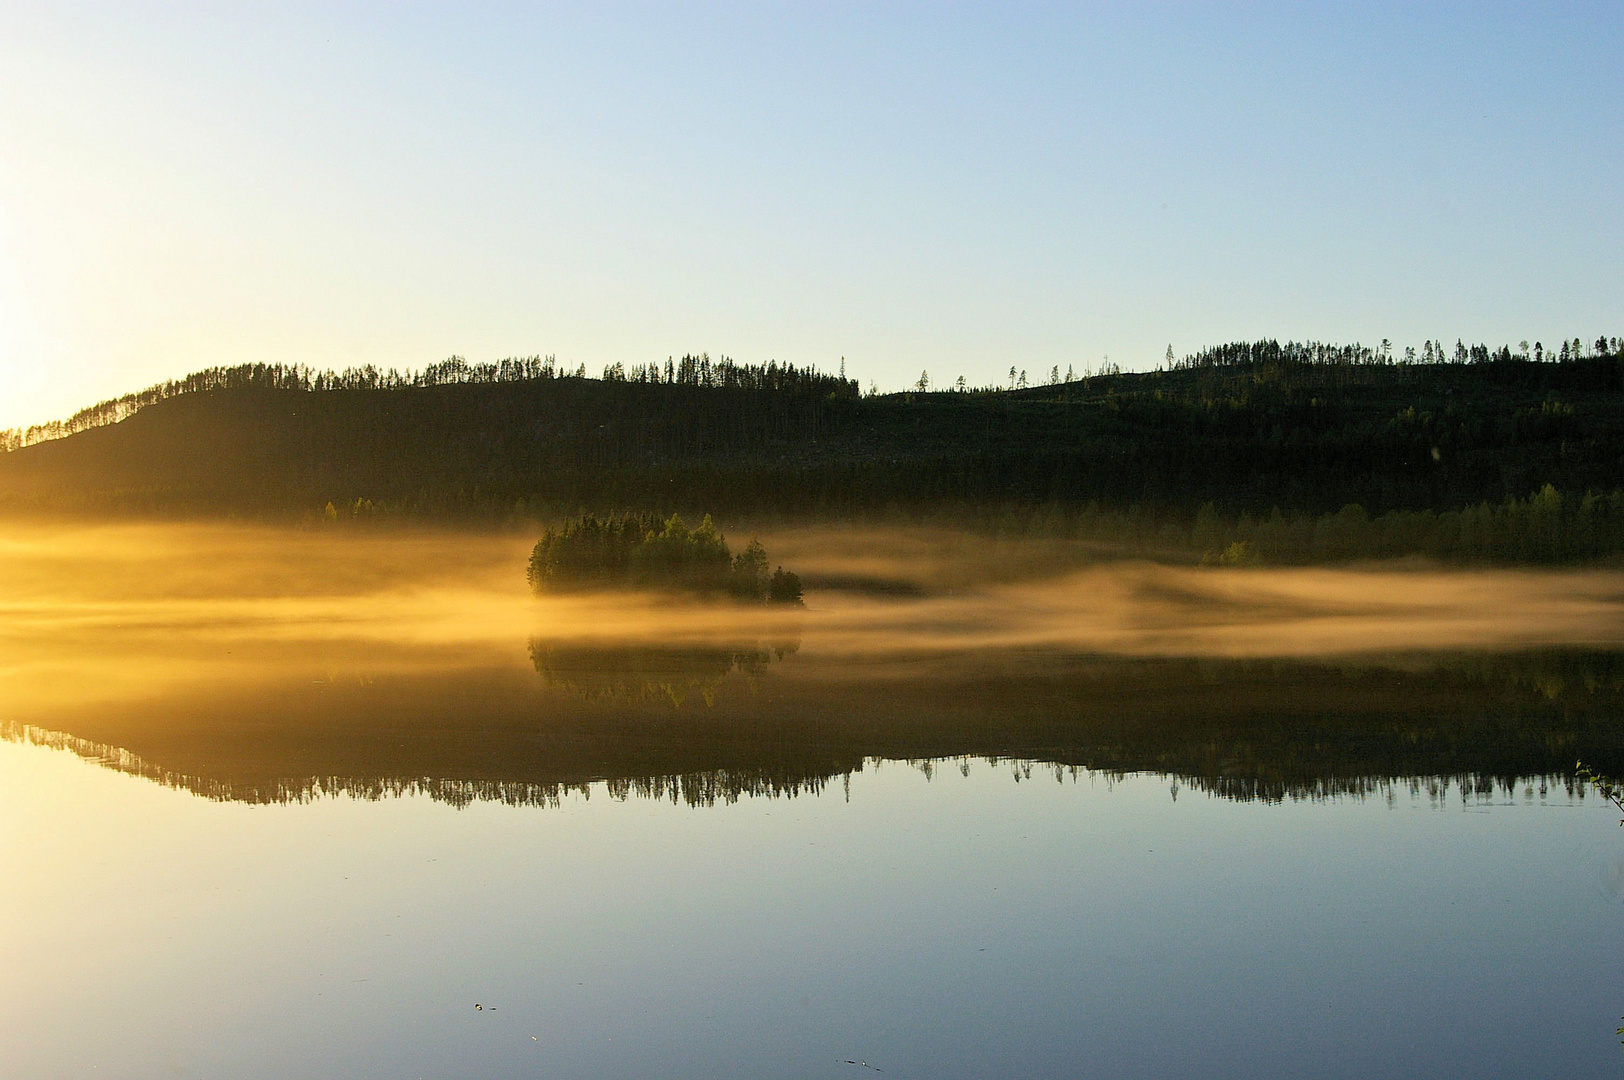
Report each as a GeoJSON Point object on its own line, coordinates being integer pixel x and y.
{"type": "Point", "coordinates": [641, 551]}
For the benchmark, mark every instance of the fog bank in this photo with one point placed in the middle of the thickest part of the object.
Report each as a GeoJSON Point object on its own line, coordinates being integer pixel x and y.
{"type": "Point", "coordinates": [105, 614]}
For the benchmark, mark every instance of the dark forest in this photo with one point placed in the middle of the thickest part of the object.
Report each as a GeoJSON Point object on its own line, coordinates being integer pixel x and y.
{"type": "Point", "coordinates": [1245, 452]}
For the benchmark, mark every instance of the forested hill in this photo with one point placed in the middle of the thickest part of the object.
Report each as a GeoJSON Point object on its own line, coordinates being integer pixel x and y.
{"type": "Point", "coordinates": [1247, 428]}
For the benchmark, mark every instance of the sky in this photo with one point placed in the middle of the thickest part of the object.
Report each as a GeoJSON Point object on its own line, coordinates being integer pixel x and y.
{"type": "Point", "coordinates": [955, 189]}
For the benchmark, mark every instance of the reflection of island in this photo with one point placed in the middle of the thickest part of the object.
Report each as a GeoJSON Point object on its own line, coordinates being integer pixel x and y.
{"type": "Point", "coordinates": [1240, 729]}
{"type": "Point", "coordinates": [644, 673]}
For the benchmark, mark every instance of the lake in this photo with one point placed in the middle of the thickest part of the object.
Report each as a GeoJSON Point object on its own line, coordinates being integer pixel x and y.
{"type": "Point", "coordinates": [283, 803]}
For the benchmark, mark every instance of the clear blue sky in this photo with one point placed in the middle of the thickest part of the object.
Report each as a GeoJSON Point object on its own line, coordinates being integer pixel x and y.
{"type": "Point", "coordinates": [958, 189]}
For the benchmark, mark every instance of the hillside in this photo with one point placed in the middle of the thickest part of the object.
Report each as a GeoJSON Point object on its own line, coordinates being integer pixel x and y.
{"type": "Point", "coordinates": [1248, 433]}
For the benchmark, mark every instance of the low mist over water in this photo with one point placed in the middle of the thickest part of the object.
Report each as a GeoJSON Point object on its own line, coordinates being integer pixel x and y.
{"type": "Point", "coordinates": [148, 605]}
{"type": "Point", "coordinates": [262, 663]}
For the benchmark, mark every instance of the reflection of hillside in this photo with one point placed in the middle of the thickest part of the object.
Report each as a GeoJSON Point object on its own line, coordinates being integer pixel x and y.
{"type": "Point", "coordinates": [1241, 729]}
{"type": "Point", "coordinates": [648, 673]}
{"type": "Point", "coordinates": [695, 789]}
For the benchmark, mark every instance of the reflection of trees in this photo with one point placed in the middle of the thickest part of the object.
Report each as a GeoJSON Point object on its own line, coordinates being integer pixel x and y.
{"type": "Point", "coordinates": [648, 673]}
{"type": "Point", "coordinates": [703, 788]}
{"type": "Point", "coordinates": [628, 720]}
{"type": "Point", "coordinates": [1480, 725]}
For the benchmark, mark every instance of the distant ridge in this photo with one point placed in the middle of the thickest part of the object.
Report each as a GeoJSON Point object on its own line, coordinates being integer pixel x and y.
{"type": "Point", "coordinates": [1243, 432]}
{"type": "Point", "coordinates": [700, 370]}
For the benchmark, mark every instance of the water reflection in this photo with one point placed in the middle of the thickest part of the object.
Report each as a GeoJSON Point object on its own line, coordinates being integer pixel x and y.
{"type": "Point", "coordinates": [707, 724]}
{"type": "Point", "coordinates": [647, 672]}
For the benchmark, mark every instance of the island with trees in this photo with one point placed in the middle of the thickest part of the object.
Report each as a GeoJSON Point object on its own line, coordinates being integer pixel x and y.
{"type": "Point", "coordinates": [640, 551]}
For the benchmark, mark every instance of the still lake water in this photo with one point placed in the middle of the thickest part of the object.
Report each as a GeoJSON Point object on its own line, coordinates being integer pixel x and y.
{"type": "Point", "coordinates": [259, 820]}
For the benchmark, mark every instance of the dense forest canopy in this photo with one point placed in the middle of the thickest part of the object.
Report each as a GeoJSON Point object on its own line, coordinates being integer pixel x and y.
{"type": "Point", "coordinates": [1295, 452]}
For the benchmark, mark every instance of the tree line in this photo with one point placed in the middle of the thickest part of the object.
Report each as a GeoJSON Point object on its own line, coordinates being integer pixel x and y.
{"type": "Point", "coordinates": [1305, 354]}
{"type": "Point", "coordinates": [700, 370]}
{"type": "Point", "coordinates": [1548, 527]}
{"type": "Point", "coordinates": [1271, 353]}
{"type": "Point", "coordinates": [692, 370]}
{"type": "Point", "coordinates": [727, 374]}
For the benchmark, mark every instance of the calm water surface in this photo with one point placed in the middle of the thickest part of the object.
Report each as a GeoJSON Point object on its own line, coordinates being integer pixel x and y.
{"type": "Point", "coordinates": [254, 823]}
{"type": "Point", "coordinates": [956, 926]}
